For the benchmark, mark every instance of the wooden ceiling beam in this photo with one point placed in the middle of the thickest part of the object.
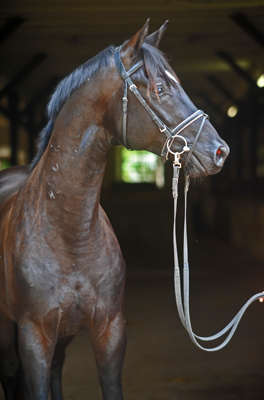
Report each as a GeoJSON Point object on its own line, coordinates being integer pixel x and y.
{"type": "Point", "coordinates": [222, 88]}
{"type": "Point", "coordinates": [241, 20]}
{"type": "Point", "coordinates": [12, 25]}
{"type": "Point", "coordinates": [213, 106]}
{"type": "Point", "coordinates": [239, 71]}
{"type": "Point", "coordinates": [34, 63]}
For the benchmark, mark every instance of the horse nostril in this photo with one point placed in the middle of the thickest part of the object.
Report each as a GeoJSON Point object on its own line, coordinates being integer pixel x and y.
{"type": "Point", "coordinates": [220, 155]}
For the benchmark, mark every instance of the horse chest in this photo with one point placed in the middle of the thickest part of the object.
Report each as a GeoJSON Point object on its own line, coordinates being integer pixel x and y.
{"type": "Point", "coordinates": [83, 299]}
{"type": "Point", "coordinates": [75, 311]}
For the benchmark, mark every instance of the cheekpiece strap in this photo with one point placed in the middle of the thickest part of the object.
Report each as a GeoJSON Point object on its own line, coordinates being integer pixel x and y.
{"type": "Point", "coordinates": [125, 75]}
{"type": "Point", "coordinates": [128, 82]}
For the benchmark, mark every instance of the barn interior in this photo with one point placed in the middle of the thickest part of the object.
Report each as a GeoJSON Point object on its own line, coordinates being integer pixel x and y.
{"type": "Point", "coordinates": [216, 49]}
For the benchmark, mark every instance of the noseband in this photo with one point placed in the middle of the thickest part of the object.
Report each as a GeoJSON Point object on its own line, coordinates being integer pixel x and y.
{"type": "Point", "coordinates": [170, 134]}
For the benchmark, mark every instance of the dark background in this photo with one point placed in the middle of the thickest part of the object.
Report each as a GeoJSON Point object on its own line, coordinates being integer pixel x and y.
{"type": "Point", "coordinates": [217, 50]}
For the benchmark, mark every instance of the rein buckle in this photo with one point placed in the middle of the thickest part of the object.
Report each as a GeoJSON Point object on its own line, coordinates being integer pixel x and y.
{"type": "Point", "coordinates": [176, 162]}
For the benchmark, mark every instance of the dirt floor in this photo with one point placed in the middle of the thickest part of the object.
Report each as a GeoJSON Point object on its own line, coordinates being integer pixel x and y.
{"type": "Point", "coordinates": [161, 362]}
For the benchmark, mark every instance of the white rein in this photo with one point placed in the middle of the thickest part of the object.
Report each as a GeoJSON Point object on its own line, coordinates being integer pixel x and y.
{"type": "Point", "coordinates": [183, 308]}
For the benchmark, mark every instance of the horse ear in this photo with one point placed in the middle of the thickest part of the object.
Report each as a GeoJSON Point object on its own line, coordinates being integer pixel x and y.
{"type": "Point", "coordinates": [155, 38]}
{"type": "Point", "coordinates": [132, 47]}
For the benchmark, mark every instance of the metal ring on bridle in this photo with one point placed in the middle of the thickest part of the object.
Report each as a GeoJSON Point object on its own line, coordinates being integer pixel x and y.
{"type": "Point", "coordinates": [179, 128]}
{"type": "Point", "coordinates": [184, 149]}
{"type": "Point", "coordinates": [177, 154]}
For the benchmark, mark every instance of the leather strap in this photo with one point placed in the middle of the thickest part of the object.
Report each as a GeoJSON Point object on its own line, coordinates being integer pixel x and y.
{"type": "Point", "coordinates": [184, 308]}
{"type": "Point", "coordinates": [125, 76]}
{"type": "Point", "coordinates": [195, 141]}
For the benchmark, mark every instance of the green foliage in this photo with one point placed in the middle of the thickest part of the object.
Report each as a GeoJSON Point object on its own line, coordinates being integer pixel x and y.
{"type": "Point", "coordinates": [4, 164]}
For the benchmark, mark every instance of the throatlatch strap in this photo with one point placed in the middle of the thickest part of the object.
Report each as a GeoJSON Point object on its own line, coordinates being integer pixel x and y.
{"type": "Point", "coordinates": [125, 101]}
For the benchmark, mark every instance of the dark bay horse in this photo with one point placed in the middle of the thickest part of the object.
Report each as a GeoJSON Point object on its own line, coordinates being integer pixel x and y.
{"type": "Point", "coordinates": [61, 268]}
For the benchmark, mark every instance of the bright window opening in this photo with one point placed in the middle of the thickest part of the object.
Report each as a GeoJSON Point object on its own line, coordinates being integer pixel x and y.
{"type": "Point", "coordinates": [141, 166]}
{"type": "Point", "coordinates": [4, 164]}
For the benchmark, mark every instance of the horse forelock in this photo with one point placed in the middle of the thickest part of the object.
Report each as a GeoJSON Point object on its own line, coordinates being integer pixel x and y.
{"type": "Point", "coordinates": [63, 91]}
{"type": "Point", "coordinates": [156, 64]}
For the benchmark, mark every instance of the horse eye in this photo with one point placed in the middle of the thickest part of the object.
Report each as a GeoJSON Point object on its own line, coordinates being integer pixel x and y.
{"type": "Point", "coordinates": [159, 90]}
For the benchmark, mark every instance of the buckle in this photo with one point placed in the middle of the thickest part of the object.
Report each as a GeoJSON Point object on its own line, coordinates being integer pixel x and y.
{"type": "Point", "coordinates": [132, 86]}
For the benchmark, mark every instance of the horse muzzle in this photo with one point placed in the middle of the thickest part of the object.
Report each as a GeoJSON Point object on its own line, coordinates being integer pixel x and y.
{"type": "Point", "coordinates": [205, 161]}
{"type": "Point", "coordinates": [221, 155]}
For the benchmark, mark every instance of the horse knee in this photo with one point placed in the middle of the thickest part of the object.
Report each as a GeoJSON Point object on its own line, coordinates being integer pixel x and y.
{"type": "Point", "coordinates": [110, 336]}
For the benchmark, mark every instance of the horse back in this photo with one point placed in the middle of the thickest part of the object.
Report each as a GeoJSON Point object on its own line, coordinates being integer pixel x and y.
{"type": "Point", "coordinates": [11, 179]}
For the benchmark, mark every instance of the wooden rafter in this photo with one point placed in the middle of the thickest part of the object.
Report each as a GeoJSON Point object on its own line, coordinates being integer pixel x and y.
{"type": "Point", "coordinates": [34, 63]}
{"type": "Point", "coordinates": [241, 20]}
{"type": "Point", "coordinates": [12, 25]}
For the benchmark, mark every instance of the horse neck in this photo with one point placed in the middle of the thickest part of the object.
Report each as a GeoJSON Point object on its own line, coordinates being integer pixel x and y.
{"type": "Point", "coordinates": [70, 173]}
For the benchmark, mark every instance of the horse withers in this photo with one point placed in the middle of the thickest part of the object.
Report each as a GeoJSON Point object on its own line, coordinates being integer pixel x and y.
{"type": "Point", "coordinates": [61, 268]}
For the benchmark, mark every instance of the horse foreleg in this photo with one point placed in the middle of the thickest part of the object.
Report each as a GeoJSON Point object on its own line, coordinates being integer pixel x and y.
{"type": "Point", "coordinates": [9, 363]}
{"type": "Point", "coordinates": [36, 350]}
{"type": "Point", "coordinates": [56, 367]}
{"type": "Point", "coordinates": [109, 343]}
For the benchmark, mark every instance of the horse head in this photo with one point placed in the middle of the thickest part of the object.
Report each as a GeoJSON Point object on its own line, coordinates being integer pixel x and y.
{"type": "Point", "coordinates": [149, 84]}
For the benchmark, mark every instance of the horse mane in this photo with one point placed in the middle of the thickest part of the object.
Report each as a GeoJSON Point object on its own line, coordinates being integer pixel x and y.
{"type": "Point", "coordinates": [155, 64]}
{"type": "Point", "coordinates": [63, 91]}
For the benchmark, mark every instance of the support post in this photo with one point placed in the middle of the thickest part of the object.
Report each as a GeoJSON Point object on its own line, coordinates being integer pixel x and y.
{"type": "Point", "coordinates": [14, 126]}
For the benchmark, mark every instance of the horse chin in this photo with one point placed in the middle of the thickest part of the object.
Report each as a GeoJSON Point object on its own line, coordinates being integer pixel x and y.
{"type": "Point", "coordinates": [198, 168]}
{"type": "Point", "coordinates": [196, 171]}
